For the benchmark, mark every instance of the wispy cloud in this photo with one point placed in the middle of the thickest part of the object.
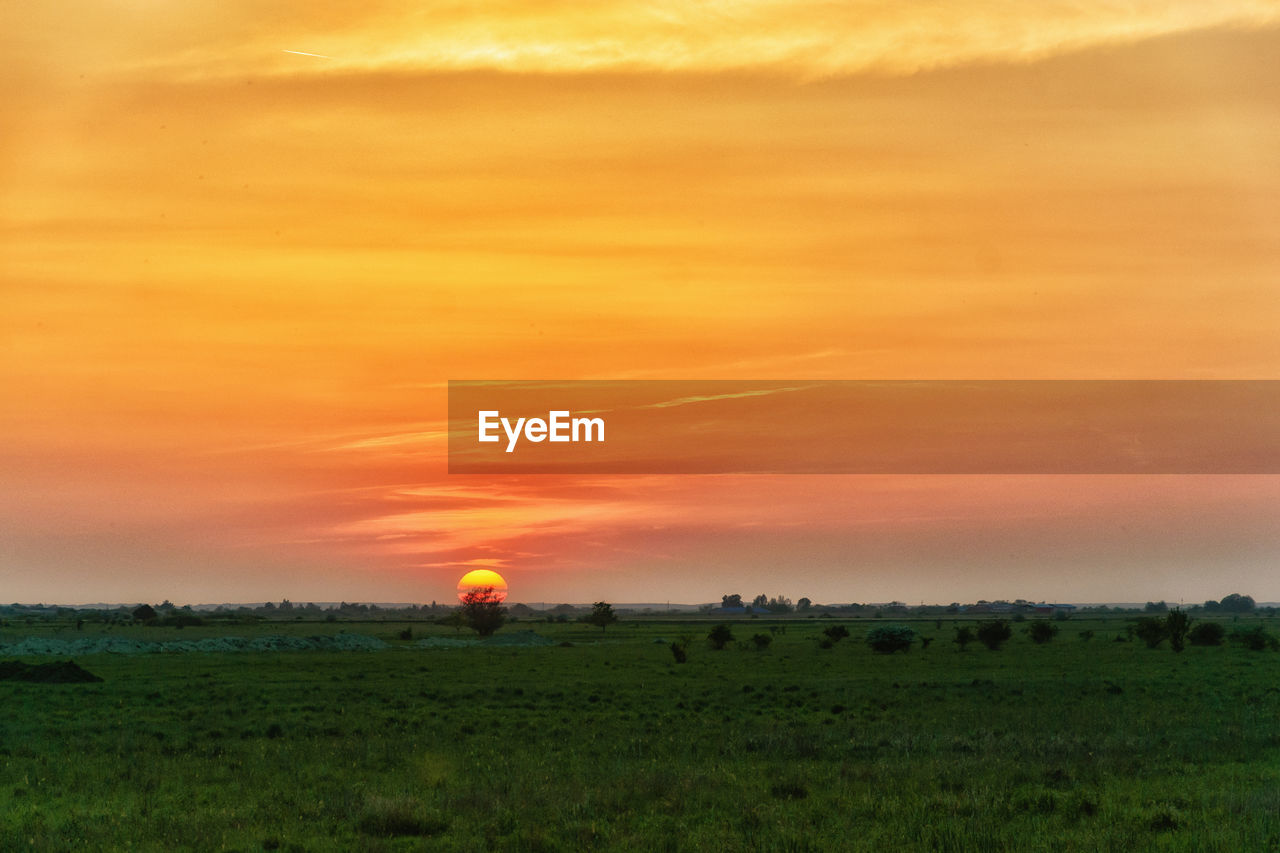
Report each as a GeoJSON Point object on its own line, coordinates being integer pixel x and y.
{"type": "Point", "coordinates": [808, 38]}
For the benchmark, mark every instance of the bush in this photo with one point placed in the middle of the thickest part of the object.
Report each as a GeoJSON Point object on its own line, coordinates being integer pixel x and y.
{"type": "Point", "coordinates": [1042, 632]}
{"type": "Point", "coordinates": [762, 641]}
{"type": "Point", "coordinates": [1151, 631]}
{"type": "Point", "coordinates": [994, 634]}
{"type": "Point", "coordinates": [1207, 634]}
{"type": "Point", "coordinates": [680, 649]}
{"type": "Point", "coordinates": [964, 636]}
{"type": "Point", "coordinates": [1255, 639]}
{"type": "Point", "coordinates": [887, 639]}
{"type": "Point", "coordinates": [836, 633]}
{"type": "Point", "coordinates": [720, 636]}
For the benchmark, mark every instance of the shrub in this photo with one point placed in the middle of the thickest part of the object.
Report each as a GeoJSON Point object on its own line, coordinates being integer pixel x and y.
{"type": "Point", "coordinates": [836, 633]}
{"type": "Point", "coordinates": [762, 641]}
{"type": "Point", "coordinates": [1151, 631]}
{"type": "Point", "coordinates": [1207, 634]}
{"type": "Point", "coordinates": [1086, 636]}
{"type": "Point", "coordinates": [1041, 631]}
{"type": "Point", "coordinates": [964, 636]}
{"type": "Point", "coordinates": [887, 639]}
{"type": "Point", "coordinates": [720, 636]}
{"type": "Point", "coordinates": [994, 634]}
{"type": "Point", "coordinates": [1255, 639]}
{"type": "Point", "coordinates": [680, 649]}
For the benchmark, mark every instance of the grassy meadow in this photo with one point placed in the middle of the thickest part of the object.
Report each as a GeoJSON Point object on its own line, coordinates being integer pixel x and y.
{"type": "Point", "coordinates": [600, 740]}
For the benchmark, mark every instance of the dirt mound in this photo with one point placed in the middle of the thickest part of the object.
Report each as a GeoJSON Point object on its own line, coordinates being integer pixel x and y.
{"type": "Point", "coordinates": [63, 672]}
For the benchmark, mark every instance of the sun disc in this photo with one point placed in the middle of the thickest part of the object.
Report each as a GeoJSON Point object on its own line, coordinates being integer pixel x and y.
{"type": "Point", "coordinates": [483, 579]}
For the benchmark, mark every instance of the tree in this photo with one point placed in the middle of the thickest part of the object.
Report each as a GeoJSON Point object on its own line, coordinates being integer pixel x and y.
{"type": "Point", "coordinates": [1237, 603]}
{"type": "Point", "coordinates": [602, 614]}
{"type": "Point", "coordinates": [720, 636]}
{"type": "Point", "coordinates": [760, 600]}
{"type": "Point", "coordinates": [1156, 607]}
{"type": "Point", "coordinates": [887, 639]}
{"type": "Point", "coordinates": [803, 605]}
{"type": "Point", "coordinates": [964, 636]}
{"type": "Point", "coordinates": [483, 611]}
{"type": "Point", "coordinates": [144, 613]}
{"type": "Point", "coordinates": [734, 600]}
{"type": "Point", "coordinates": [780, 604]}
{"type": "Point", "coordinates": [994, 634]}
{"type": "Point", "coordinates": [1176, 625]}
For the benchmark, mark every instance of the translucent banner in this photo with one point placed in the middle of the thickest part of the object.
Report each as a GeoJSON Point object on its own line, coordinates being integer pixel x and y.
{"type": "Point", "coordinates": [865, 427]}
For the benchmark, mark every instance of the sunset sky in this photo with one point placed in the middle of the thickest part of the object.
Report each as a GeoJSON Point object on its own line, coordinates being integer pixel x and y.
{"type": "Point", "coordinates": [236, 278]}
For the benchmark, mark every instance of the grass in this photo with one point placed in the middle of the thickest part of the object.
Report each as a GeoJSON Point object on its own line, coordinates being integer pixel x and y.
{"type": "Point", "coordinates": [608, 744]}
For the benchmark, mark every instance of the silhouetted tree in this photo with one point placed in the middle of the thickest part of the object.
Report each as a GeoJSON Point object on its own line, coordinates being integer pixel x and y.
{"type": "Point", "coordinates": [734, 600]}
{"type": "Point", "coordinates": [602, 615]}
{"type": "Point", "coordinates": [483, 611]}
{"type": "Point", "coordinates": [803, 605]}
{"type": "Point", "coordinates": [1237, 603]}
{"type": "Point", "coordinates": [760, 600]}
{"type": "Point", "coordinates": [144, 613]}
{"type": "Point", "coordinates": [964, 636]}
{"type": "Point", "coordinates": [780, 604]}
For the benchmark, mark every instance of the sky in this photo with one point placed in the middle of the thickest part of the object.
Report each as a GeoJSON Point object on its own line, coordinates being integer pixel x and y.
{"type": "Point", "coordinates": [246, 247]}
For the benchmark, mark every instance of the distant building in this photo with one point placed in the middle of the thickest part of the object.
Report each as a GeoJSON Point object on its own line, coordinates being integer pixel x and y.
{"type": "Point", "coordinates": [1052, 608]}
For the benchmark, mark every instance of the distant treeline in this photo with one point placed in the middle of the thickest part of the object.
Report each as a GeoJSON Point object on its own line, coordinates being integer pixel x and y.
{"type": "Point", "coordinates": [168, 613]}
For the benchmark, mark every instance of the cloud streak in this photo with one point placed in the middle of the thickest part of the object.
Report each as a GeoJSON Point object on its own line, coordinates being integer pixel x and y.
{"type": "Point", "coordinates": [810, 39]}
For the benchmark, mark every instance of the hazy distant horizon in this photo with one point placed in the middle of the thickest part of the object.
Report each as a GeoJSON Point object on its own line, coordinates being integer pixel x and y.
{"type": "Point", "coordinates": [617, 605]}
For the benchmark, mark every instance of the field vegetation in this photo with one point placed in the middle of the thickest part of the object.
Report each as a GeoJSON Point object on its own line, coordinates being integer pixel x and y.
{"type": "Point", "coordinates": [565, 736]}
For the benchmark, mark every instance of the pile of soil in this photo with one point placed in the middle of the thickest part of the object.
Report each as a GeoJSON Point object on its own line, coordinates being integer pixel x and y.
{"type": "Point", "coordinates": [65, 672]}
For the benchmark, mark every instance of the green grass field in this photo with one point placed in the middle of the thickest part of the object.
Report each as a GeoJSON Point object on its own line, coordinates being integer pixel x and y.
{"type": "Point", "coordinates": [609, 744]}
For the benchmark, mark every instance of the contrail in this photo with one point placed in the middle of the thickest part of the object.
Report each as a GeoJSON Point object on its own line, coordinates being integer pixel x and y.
{"type": "Point", "coordinates": [300, 53]}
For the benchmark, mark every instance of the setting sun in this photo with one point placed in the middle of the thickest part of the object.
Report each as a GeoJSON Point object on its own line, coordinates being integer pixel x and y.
{"type": "Point", "coordinates": [483, 579]}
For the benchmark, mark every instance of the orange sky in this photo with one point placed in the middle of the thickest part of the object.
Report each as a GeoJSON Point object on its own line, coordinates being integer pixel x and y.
{"type": "Point", "coordinates": [234, 282]}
